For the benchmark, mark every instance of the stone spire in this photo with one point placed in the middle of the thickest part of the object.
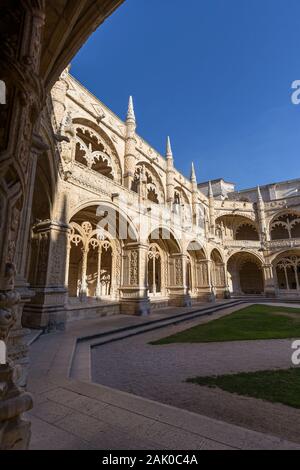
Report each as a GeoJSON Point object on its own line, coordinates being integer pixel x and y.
{"type": "Point", "coordinates": [169, 153]}
{"type": "Point", "coordinates": [261, 216]}
{"type": "Point", "coordinates": [130, 145]}
{"type": "Point", "coordinates": [210, 190]}
{"type": "Point", "coordinates": [170, 174]}
{"type": "Point", "coordinates": [193, 174]}
{"type": "Point", "coordinates": [194, 196]}
{"type": "Point", "coordinates": [260, 198]}
{"type": "Point", "coordinates": [130, 112]}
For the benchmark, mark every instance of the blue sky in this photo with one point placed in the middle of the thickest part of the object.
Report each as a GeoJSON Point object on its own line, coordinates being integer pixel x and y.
{"type": "Point", "coordinates": [215, 75]}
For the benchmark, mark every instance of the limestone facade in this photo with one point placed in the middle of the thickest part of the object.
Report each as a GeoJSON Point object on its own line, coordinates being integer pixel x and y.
{"type": "Point", "coordinates": [116, 228]}
{"type": "Point", "coordinates": [93, 220]}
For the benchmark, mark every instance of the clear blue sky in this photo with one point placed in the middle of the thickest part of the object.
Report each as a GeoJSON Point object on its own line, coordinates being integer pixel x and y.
{"type": "Point", "coordinates": [215, 75]}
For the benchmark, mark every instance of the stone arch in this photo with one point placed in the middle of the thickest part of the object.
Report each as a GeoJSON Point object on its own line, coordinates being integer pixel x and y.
{"type": "Point", "coordinates": [198, 248]}
{"type": "Point", "coordinates": [245, 273]}
{"type": "Point", "coordinates": [115, 217]}
{"type": "Point", "coordinates": [217, 271]}
{"type": "Point", "coordinates": [181, 199]}
{"type": "Point", "coordinates": [168, 236]}
{"type": "Point", "coordinates": [286, 268]}
{"type": "Point", "coordinates": [94, 267]}
{"type": "Point", "coordinates": [285, 225]}
{"type": "Point", "coordinates": [95, 149]}
{"type": "Point", "coordinates": [170, 251]}
{"type": "Point", "coordinates": [148, 182]}
{"type": "Point", "coordinates": [216, 255]}
{"type": "Point", "coordinates": [43, 198]}
{"type": "Point", "coordinates": [236, 227]}
{"type": "Point", "coordinates": [197, 269]}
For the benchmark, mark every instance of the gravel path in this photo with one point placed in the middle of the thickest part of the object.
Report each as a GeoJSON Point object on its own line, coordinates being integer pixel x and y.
{"type": "Point", "coordinates": [159, 373]}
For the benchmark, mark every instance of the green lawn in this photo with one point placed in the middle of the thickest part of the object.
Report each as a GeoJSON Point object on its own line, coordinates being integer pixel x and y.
{"type": "Point", "coordinates": [251, 323]}
{"type": "Point", "coordinates": [279, 386]}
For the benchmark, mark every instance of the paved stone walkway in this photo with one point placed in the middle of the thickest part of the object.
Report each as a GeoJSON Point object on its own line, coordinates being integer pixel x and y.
{"type": "Point", "coordinates": [160, 373]}
{"type": "Point", "coordinates": [73, 414]}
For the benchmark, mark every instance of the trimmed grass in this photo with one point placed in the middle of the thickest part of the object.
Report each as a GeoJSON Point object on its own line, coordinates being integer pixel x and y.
{"type": "Point", "coordinates": [256, 322]}
{"type": "Point", "coordinates": [279, 386]}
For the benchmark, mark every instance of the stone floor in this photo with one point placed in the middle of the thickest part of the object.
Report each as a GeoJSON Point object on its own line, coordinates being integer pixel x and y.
{"type": "Point", "coordinates": [160, 373]}
{"type": "Point", "coordinates": [74, 414]}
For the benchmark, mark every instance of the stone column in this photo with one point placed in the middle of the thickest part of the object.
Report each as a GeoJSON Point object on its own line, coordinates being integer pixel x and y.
{"type": "Point", "coordinates": [98, 287]}
{"type": "Point", "coordinates": [179, 295]}
{"type": "Point", "coordinates": [47, 276]}
{"type": "Point", "coordinates": [134, 290]}
{"type": "Point", "coordinates": [269, 281]}
{"type": "Point", "coordinates": [296, 276]}
{"type": "Point", "coordinates": [84, 286]}
{"type": "Point", "coordinates": [20, 67]}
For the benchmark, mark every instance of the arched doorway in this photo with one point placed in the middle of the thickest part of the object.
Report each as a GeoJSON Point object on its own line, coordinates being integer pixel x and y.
{"type": "Point", "coordinates": [217, 273]}
{"type": "Point", "coordinates": [165, 268]}
{"type": "Point", "coordinates": [197, 271]}
{"type": "Point", "coordinates": [245, 274]}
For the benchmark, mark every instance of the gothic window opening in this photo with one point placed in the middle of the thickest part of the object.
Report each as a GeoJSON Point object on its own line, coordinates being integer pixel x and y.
{"type": "Point", "coordinates": [246, 231]}
{"type": "Point", "coordinates": [288, 272]}
{"type": "Point", "coordinates": [189, 277]}
{"type": "Point", "coordinates": [90, 263]}
{"type": "Point", "coordinates": [217, 270]}
{"type": "Point", "coordinates": [285, 226]}
{"type": "Point", "coordinates": [144, 184]}
{"type": "Point", "coordinates": [154, 270]}
{"type": "Point", "coordinates": [236, 227]}
{"type": "Point", "coordinates": [92, 152]}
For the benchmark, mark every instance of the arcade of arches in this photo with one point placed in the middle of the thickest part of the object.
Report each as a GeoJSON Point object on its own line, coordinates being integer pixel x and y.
{"type": "Point", "coordinates": [67, 163]}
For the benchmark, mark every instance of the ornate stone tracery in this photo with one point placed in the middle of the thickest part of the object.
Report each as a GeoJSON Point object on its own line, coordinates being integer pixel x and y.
{"type": "Point", "coordinates": [93, 243]}
{"type": "Point", "coordinates": [288, 272]}
{"type": "Point", "coordinates": [285, 226]}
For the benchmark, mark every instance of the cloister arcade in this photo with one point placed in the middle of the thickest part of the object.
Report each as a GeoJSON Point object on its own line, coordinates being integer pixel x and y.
{"type": "Point", "coordinates": [66, 160]}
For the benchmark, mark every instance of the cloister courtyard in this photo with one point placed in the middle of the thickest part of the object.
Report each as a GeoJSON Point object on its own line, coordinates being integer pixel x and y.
{"type": "Point", "coordinates": [140, 307]}
{"type": "Point", "coordinates": [80, 394]}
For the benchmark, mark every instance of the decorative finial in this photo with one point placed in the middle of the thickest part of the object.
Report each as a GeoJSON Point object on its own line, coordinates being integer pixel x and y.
{"type": "Point", "coordinates": [130, 113]}
{"type": "Point", "coordinates": [169, 153]}
{"type": "Point", "coordinates": [210, 190]}
{"type": "Point", "coordinates": [193, 174]}
{"type": "Point", "coordinates": [260, 198]}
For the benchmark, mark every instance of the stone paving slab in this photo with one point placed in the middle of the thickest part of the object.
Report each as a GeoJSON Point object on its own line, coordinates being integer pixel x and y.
{"type": "Point", "coordinates": [72, 414]}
